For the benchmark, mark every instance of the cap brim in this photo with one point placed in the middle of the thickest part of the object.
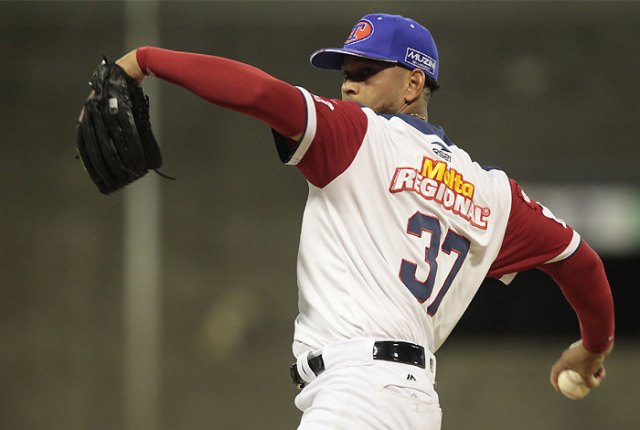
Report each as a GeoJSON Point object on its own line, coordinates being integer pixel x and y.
{"type": "Point", "coordinates": [331, 58]}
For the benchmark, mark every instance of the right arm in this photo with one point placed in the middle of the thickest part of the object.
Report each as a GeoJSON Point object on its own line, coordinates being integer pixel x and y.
{"type": "Point", "coordinates": [534, 238]}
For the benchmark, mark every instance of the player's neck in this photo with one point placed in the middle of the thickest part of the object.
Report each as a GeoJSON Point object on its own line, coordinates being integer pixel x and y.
{"type": "Point", "coordinates": [423, 117]}
{"type": "Point", "coordinates": [417, 109]}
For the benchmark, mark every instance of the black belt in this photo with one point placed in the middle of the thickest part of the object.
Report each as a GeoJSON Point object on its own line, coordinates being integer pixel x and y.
{"type": "Point", "coordinates": [399, 352]}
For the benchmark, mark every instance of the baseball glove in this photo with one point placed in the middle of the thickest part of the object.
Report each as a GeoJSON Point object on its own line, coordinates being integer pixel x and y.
{"type": "Point", "coordinates": [114, 138]}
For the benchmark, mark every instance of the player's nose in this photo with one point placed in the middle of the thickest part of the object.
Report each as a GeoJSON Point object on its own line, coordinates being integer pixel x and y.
{"type": "Point", "coordinates": [349, 88]}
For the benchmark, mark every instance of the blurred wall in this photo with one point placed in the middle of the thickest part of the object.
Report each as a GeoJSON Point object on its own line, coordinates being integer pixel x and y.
{"type": "Point", "coordinates": [546, 90]}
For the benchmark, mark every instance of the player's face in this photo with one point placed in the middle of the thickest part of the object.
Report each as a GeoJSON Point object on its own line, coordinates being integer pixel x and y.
{"type": "Point", "coordinates": [375, 84]}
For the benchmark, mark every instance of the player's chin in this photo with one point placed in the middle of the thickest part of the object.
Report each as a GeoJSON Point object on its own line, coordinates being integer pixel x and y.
{"type": "Point", "coordinates": [364, 103]}
{"type": "Point", "coordinates": [359, 100]}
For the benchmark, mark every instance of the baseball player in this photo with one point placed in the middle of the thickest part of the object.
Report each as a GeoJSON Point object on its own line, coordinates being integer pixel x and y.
{"type": "Point", "coordinates": [400, 228]}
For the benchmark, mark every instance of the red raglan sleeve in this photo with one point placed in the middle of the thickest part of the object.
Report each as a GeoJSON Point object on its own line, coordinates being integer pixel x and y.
{"type": "Point", "coordinates": [332, 130]}
{"type": "Point", "coordinates": [334, 133]}
{"type": "Point", "coordinates": [534, 238]}
{"type": "Point", "coordinates": [584, 283]}
{"type": "Point", "coordinates": [230, 84]}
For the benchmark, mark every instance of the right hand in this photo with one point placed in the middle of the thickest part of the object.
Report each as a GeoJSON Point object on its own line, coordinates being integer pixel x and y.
{"type": "Point", "coordinates": [588, 364]}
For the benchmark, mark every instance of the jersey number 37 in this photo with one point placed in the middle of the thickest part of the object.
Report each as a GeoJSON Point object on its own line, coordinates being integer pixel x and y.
{"type": "Point", "coordinates": [453, 242]}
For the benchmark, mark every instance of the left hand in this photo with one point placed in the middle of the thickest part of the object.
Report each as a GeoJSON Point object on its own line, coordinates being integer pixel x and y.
{"type": "Point", "coordinates": [588, 364]}
{"type": "Point", "coordinates": [129, 62]}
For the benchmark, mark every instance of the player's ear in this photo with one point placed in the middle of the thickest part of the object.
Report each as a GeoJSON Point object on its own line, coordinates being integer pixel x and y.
{"type": "Point", "coordinates": [415, 85]}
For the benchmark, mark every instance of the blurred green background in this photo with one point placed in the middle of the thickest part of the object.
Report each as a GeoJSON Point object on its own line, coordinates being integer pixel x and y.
{"type": "Point", "coordinates": [548, 91]}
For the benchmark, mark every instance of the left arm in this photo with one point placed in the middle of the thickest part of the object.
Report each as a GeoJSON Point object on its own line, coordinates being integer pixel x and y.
{"type": "Point", "coordinates": [224, 82]}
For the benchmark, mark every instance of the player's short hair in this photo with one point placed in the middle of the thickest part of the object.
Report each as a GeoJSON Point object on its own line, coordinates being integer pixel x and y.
{"type": "Point", "coordinates": [429, 82]}
{"type": "Point", "coordinates": [432, 84]}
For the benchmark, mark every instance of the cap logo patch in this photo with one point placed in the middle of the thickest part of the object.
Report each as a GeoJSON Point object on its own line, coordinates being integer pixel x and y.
{"type": "Point", "coordinates": [420, 60]}
{"type": "Point", "coordinates": [361, 31]}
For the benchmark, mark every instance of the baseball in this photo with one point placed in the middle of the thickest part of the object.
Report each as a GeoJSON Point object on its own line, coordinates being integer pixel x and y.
{"type": "Point", "coordinates": [572, 385]}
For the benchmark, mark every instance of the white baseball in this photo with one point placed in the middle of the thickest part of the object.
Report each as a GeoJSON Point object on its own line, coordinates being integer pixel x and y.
{"type": "Point", "coordinates": [572, 385]}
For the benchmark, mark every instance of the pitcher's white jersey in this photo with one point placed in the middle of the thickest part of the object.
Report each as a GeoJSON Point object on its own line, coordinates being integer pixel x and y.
{"type": "Point", "coordinates": [400, 228]}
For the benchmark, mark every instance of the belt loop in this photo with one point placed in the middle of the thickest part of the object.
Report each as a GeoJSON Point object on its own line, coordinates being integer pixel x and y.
{"type": "Point", "coordinates": [304, 370]}
{"type": "Point", "coordinates": [349, 352]}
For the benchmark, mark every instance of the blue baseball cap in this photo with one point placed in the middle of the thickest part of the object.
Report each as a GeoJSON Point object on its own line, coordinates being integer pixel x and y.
{"type": "Point", "coordinates": [383, 37]}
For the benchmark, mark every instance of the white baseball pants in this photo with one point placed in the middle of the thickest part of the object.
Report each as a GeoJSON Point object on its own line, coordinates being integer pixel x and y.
{"type": "Point", "coordinates": [356, 392]}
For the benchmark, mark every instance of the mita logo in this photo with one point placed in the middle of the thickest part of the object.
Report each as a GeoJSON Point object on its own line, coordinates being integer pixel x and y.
{"type": "Point", "coordinates": [420, 60]}
{"type": "Point", "coordinates": [438, 182]}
